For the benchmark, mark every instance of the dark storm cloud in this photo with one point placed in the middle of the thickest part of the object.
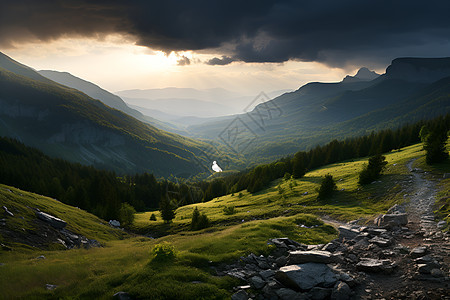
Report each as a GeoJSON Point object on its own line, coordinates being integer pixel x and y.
{"type": "Point", "coordinates": [334, 32]}
{"type": "Point", "coordinates": [184, 61]}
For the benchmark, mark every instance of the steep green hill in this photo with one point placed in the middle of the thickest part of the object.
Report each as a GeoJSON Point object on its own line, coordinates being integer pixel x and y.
{"type": "Point", "coordinates": [66, 123]}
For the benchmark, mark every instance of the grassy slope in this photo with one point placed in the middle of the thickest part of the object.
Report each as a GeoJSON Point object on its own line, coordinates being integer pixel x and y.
{"type": "Point", "coordinates": [125, 264]}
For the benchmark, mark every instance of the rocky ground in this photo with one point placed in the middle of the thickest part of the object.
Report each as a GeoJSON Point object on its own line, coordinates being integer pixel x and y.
{"type": "Point", "coordinates": [404, 255]}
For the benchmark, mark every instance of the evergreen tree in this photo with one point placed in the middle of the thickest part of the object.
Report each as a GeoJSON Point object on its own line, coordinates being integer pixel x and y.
{"type": "Point", "coordinates": [167, 209]}
{"type": "Point", "coordinates": [199, 220]}
{"type": "Point", "coordinates": [298, 166]}
{"type": "Point", "coordinates": [126, 214]}
{"type": "Point", "coordinates": [373, 170]}
{"type": "Point", "coordinates": [327, 187]}
{"type": "Point", "coordinates": [434, 141]}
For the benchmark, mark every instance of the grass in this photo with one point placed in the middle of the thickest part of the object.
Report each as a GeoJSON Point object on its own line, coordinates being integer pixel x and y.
{"type": "Point", "coordinates": [126, 264]}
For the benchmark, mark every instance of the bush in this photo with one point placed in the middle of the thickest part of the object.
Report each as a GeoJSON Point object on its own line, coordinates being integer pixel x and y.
{"type": "Point", "coordinates": [373, 170]}
{"type": "Point", "coordinates": [199, 220]}
{"type": "Point", "coordinates": [126, 214]}
{"type": "Point", "coordinates": [163, 252]}
{"type": "Point", "coordinates": [327, 187]}
{"type": "Point", "coordinates": [153, 217]}
{"type": "Point", "coordinates": [229, 210]}
{"type": "Point", "coordinates": [286, 176]}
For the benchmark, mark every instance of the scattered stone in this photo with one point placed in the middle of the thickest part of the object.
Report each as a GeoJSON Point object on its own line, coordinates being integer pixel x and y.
{"type": "Point", "coordinates": [267, 274]}
{"type": "Point", "coordinates": [241, 295]}
{"type": "Point", "coordinates": [8, 212]}
{"type": "Point", "coordinates": [122, 296]}
{"type": "Point", "coordinates": [301, 257]}
{"type": "Point", "coordinates": [114, 223]}
{"type": "Point", "coordinates": [396, 209]}
{"type": "Point", "coordinates": [50, 287]}
{"type": "Point", "coordinates": [427, 268]}
{"type": "Point", "coordinates": [347, 232]}
{"type": "Point", "coordinates": [418, 252]}
{"type": "Point", "coordinates": [281, 261]}
{"type": "Point", "coordinates": [441, 224]}
{"type": "Point", "coordinates": [52, 220]}
{"type": "Point", "coordinates": [40, 257]}
{"type": "Point", "coordinates": [380, 241]}
{"type": "Point", "coordinates": [341, 291]}
{"type": "Point", "coordinates": [306, 276]}
{"type": "Point", "coordinates": [2, 264]}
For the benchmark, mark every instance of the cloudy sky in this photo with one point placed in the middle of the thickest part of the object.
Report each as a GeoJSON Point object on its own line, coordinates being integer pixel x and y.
{"type": "Point", "coordinates": [247, 46]}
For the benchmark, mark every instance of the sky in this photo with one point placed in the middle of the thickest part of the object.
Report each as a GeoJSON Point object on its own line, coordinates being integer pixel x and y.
{"type": "Point", "coordinates": [244, 46]}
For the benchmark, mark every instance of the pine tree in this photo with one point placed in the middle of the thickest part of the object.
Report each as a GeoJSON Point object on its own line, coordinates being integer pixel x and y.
{"type": "Point", "coordinates": [373, 170]}
{"type": "Point", "coordinates": [434, 141]}
{"type": "Point", "coordinates": [167, 209]}
{"type": "Point", "coordinates": [298, 167]}
{"type": "Point", "coordinates": [327, 187]}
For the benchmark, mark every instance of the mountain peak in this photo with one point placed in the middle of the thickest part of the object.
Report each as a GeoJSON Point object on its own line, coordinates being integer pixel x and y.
{"type": "Point", "coordinates": [416, 69]}
{"type": "Point", "coordinates": [363, 74]}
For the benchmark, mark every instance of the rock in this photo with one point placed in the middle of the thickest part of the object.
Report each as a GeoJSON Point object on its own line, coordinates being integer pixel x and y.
{"type": "Point", "coordinates": [331, 246]}
{"type": "Point", "coordinates": [341, 291]}
{"type": "Point", "coordinates": [5, 248]}
{"type": "Point", "coordinates": [257, 282]}
{"type": "Point", "coordinates": [267, 274]}
{"type": "Point", "coordinates": [418, 252]}
{"type": "Point", "coordinates": [446, 175]}
{"type": "Point", "coordinates": [8, 212]}
{"type": "Point", "coordinates": [306, 276]}
{"type": "Point", "coordinates": [281, 261]}
{"type": "Point", "coordinates": [396, 209]}
{"type": "Point", "coordinates": [379, 241]}
{"type": "Point", "coordinates": [427, 268]}
{"type": "Point", "coordinates": [318, 293]}
{"type": "Point", "coordinates": [114, 223]}
{"type": "Point", "coordinates": [40, 257]}
{"type": "Point", "coordinates": [375, 265]}
{"type": "Point", "coordinates": [50, 287]}
{"type": "Point", "coordinates": [301, 257]}
{"type": "Point", "coordinates": [347, 279]}
{"type": "Point", "coordinates": [441, 224]}
{"type": "Point", "coordinates": [53, 221]}
{"type": "Point", "coordinates": [393, 220]}
{"type": "Point", "coordinates": [122, 296]}
{"type": "Point", "coordinates": [239, 274]}
{"type": "Point", "coordinates": [437, 273]}
{"type": "Point", "coordinates": [347, 232]}
{"type": "Point", "coordinates": [286, 294]}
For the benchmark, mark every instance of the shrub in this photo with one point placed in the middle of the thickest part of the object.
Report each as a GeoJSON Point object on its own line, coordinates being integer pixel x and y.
{"type": "Point", "coordinates": [229, 210]}
{"type": "Point", "coordinates": [327, 187]}
{"type": "Point", "coordinates": [240, 195]}
{"type": "Point", "coordinates": [373, 170]}
{"type": "Point", "coordinates": [126, 214]}
{"type": "Point", "coordinates": [199, 220]}
{"type": "Point", "coordinates": [287, 176]}
{"type": "Point", "coordinates": [163, 252]}
{"type": "Point", "coordinates": [153, 217]}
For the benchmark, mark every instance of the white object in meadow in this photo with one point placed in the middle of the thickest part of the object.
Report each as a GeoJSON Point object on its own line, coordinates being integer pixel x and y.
{"type": "Point", "coordinates": [216, 167]}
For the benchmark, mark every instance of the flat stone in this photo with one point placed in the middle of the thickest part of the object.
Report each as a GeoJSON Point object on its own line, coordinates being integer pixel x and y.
{"type": "Point", "coordinates": [318, 293]}
{"type": "Point", "coordinates": [375, 265]}
{"type": "Point", "coordinates": [266, 274]}
{"type": "Point", "coordinates": [52, 220]}
{"type": "Point", "coordinates": [257, 282]}
{"type": "Point", "coordinates": [418, 252]}
{"type": "Point", "coordinates": [396, 209]}
{"type": "Point", "coordinates": [426, 268]}
{"type": "Point", "coordinates": [306, 276]}
{"type": "Point", "coordinates": [380, 241]}
{"type": "Point", "coordinates": [441, 224]}
{"type": "Point", "coordinates": [301, 257]}
{"type": "Point", "coordinates": [50, 287]}
{"type": "Point", "coordinates": [40, 257]}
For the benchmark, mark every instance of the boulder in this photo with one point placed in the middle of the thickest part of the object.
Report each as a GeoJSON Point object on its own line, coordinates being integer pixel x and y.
{"type": "Point", "coordinates": [396, 209]}
{"type": "Point", "coordinates": [306, 276]}
{"type": "Point", "coordinates": [267, 274]}
{"type": "Point", "coordinates": [286, 294]}
{"type": "Point", "coordinates": [301, 257]}
{"type": "Point", "coordinates": [318, 293]}
{"type": "Point", "coordinates": [427, 268]}
{"type": "Point", "coordinates": [114, 223]}
{"type": "Point", "coordinates": [52, 220]}
{"type": "Point", "coordinates": [347, 232]}
{"type": "Point", "coordinates": [393, 220]}
{"type": "Point", "coordinates": [257, 282]}
{"type": "Point", "coordinates": [341, 291]}
{"type": "Point", "coordinates": [379, 241]}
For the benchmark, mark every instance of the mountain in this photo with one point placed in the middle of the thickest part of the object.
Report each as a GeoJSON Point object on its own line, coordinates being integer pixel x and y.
{"type": "Point", "coordinates": [64, 122]}
{"type": "Point", "coordinates": [318, 112]}
{"type": "Point", "coordinates": [363, 74]}
{"type": "Point", "coordinates": [96, 92]}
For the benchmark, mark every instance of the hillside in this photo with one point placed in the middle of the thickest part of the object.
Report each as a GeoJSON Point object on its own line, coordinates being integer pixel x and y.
{"type": "Point", "coordinates": [125, 265]}
{"type": "Point", "coordinates": [66, 123]}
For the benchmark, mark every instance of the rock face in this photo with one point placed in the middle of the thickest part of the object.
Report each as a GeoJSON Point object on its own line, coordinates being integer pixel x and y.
{"type": "Point", "coordinates": [53, 221]}
{"type": "Point", "coordinates": [306, 276]}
